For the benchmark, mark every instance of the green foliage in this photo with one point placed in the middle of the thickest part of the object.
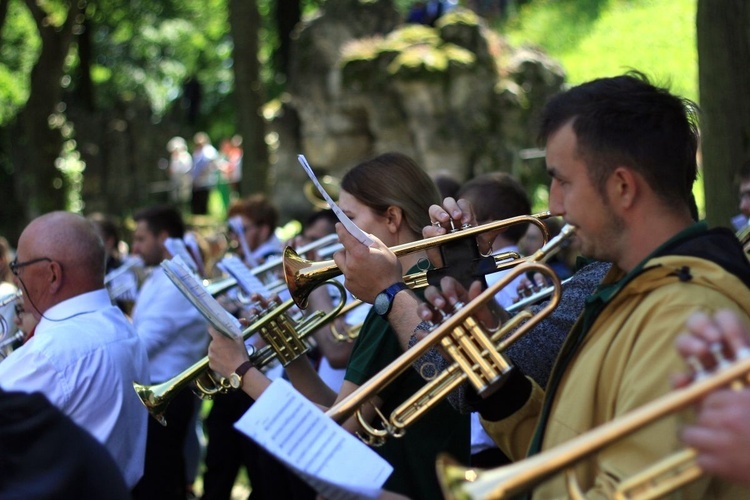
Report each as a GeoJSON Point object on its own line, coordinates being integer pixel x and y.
{"type": "Point", "coordinates": [595, 38]}
{"type": "Point", "coordinates": [147, 50]}
{"type": "Point", "coordinates": [19, 51]}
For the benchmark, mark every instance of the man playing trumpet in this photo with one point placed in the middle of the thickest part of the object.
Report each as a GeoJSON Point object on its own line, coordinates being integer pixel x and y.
{"type": "Point", "coordinates": [621, 155]}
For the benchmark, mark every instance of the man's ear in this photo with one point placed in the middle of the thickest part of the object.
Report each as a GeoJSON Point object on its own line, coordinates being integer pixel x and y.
{"type": "Point", "coordinates": [623, 187]}
{"type": "Point", "coordinates": [55, 281]}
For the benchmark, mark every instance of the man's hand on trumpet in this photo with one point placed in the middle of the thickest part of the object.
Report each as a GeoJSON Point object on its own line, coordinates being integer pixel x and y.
{"type": "Point", "coordinates": [721, 433]}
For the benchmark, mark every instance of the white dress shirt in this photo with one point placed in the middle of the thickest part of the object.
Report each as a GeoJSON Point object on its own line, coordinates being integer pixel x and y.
{"type": "Point", "coordinates": [173, 331]}
{"type": "Point", "coordinates": [84, 356]}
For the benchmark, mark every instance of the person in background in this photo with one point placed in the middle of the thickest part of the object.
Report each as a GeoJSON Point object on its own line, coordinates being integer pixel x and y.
{"type": "Point", "coordinates": [203, 173]}
{"type": "Point", "coordinates": [230, 168]}
{"type": "Point", "coordinates": [122, 286]}
{"type": "Point", "coordinates": [227, 448]}
{"type": "Point", "coordinates": [333, 354]}
{"type": "Point", "coordinates": [84, 355]}
{"type": "Point", "coordinates": [744, 176]}
{"type": "Point", "coordinates": [174, 334]}
{"type": "Point", "coordinates": [447, 185]}
{"type": "Point", "coordinates": [179, 167]}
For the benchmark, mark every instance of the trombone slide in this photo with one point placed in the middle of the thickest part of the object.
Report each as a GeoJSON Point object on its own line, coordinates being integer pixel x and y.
{"type": "Point", "coordinates": [510, 480]}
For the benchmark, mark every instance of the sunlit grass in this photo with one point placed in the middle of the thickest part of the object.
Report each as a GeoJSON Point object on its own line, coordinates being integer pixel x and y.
{"type": "Point", "coordinates": [596, 38]}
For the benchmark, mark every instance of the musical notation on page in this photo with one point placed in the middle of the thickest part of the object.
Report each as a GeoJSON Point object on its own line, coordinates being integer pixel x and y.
{"type": "Point", "coordinates": [234, 267]}
{"type": "Point", "coordinates": [350, 226]}
{"type": "Point", "coordinates": [331, 460]}
{"type": "Point", "coordinates": [196, 293]}
{"type": "Point", "coordinates": [177, 248]}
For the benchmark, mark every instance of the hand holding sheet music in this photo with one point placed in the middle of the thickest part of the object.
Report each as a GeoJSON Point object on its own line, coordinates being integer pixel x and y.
{"type": "Point", "coordinates": [350, 226]}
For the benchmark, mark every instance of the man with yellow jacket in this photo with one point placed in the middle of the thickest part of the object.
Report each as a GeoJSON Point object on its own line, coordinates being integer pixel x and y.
{"type": "Point", "coordinates": [621, 154]}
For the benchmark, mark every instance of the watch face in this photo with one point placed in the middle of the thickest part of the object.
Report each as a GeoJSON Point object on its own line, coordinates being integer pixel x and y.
{"type": "Point", "coordinates": [382, 303]}
{"type": "Point", "coordinates": [235, 381]}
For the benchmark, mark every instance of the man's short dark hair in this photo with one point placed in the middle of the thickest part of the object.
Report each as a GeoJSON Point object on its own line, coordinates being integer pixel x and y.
{"type": "Point", "coordinates": [162, 218]}
{"type": "Point", "coordinates": [625, 120]}
{"type": "Point", "coordinates": [498, 196]}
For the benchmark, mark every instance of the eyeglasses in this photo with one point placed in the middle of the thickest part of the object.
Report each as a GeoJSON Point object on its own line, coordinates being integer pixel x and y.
{"type": "Point", "coordinates": [15, 265]}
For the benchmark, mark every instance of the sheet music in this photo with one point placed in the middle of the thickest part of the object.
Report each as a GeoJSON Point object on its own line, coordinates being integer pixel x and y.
{"type": "Point", "coordinates": [350, 226]}
{"type": "Point", "coordinates": [197, 294]}
{"type": "Point", "coordinates": [233, 266]}
{"type": "Point", "coordinates": [177, 247]}
{"type": "Point", "coordinates": [331, 460]}
{"type": "Point", "coordinates": [235, 224]}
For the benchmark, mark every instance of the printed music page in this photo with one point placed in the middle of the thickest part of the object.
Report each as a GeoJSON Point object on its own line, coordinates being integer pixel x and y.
{"type": "Point", "coordinates": [196, 293]}
{"type": "Point", "coordinates": [335, 463]}
{"type": "Point", "coordinates": [350, 226]}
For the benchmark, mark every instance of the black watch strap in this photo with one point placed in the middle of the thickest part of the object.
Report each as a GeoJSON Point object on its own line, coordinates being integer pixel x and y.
{"type": "Point", "coordinates": [243, 368]}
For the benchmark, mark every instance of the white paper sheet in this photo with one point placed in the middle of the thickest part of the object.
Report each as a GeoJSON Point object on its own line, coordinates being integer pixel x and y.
{"type": "Point", "coordinates": [177, 248]}
{"type": "Point", "coordinates": [235, 224]}
{"type": "Point", "coordinates": [233, 266]}
{"type": "Point", "coordinates": [197, 294]}
{"type": "Point", "coordinates": [332, 461]}
{"type": "Point", "coordinates": [350, 226]}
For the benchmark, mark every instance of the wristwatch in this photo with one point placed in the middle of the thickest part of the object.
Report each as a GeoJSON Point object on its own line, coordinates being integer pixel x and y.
{"type": "Point", "coordinates": [384, 300]}
{"type": "Point", "coordinates": [235, 379]}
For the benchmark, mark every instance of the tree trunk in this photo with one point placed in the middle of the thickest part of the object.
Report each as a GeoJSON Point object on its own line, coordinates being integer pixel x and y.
{"type": "Point", "coordinates": [37, 143]}
{"type": "Point", "coordinates": [244, 20]}
{"type": "Point", "coordinates": [288, 13]}
{"type": "Point", "coordinates": [724, 80]}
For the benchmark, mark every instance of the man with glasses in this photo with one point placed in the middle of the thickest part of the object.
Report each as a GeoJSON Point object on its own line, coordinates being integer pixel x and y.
{"type": "Point", "coordinates": [84, 355]}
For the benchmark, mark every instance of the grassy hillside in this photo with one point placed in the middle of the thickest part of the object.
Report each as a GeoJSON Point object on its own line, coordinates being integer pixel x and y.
{"type": "Point", "coordinates": [593, 38]}
{"type": "Point", "coordinates": [596, 38]}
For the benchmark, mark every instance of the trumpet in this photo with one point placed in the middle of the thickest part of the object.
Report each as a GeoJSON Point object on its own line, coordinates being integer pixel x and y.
{"type": "Point", "coordinates": [660, 479]}
{"type": "Point", "coordinates": [285, 341]}
{"type": "Point", "coordinates": [477, 357]}
{"type": "Point", "coordinates": [302, 276]}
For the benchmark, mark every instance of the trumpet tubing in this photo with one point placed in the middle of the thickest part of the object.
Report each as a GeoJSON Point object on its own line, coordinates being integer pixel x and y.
{"type": "Point", "coordinates": [475, 357]}
{"type": "Point", "coordinates": [302, 276]}
{"type": "Point", "coordinates": [662, 478]}
{"type": "Point", "coordinates": [286, 342]}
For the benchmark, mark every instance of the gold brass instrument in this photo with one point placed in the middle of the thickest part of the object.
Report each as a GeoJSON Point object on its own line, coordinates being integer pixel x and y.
{"type": "Point", "coordinates": [303, 275]}
{"type": "Point", "coordinates": [332, 186]}
{"type": "Point", "coordinates": [352, 332]}
{"type": "Point", "coordinates": [476, 356]}
{"type": "Point", "coordinates": [285, 341]}
{"type": "Point", "coordinates": [665, 476]}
